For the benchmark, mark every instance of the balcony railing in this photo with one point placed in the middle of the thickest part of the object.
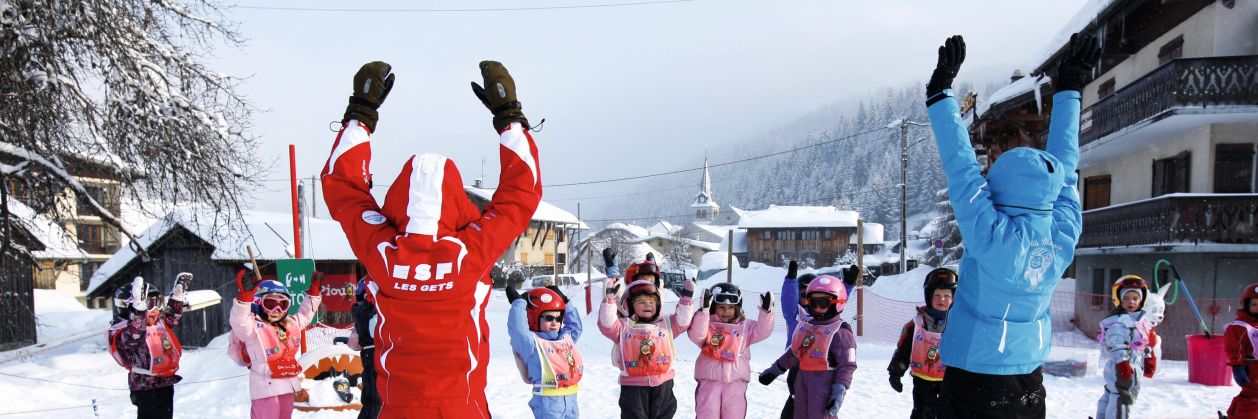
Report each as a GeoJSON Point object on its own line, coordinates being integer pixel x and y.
{"type": "Point", "coordinates": [1184, 82]}
{"type": "Point", "coordinates": [1174, 219]}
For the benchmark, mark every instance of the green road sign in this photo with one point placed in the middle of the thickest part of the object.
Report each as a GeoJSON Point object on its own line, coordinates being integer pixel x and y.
{"type": "Point", "coordinates": [296, 275]}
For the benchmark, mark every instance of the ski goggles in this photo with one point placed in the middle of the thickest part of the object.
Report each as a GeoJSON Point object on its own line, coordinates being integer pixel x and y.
{"type": "Point", "coordinates": [823, 302]}
{"type": "Point", "coordinates": [275, 303]}
{"type": "Point", "coordinates": [550, 318]}
{"type": "Point", "coordinates": [722, 297]}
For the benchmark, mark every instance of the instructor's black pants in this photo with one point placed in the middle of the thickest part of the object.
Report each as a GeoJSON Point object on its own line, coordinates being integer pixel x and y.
{"type": "Point", "coordinates": [970, 395]}
{"type": "Point", "coordinates": [370, 398]}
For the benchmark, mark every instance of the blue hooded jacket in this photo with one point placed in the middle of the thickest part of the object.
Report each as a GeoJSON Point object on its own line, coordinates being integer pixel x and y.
{"type": "Point", "coordinates": [1020, 226]}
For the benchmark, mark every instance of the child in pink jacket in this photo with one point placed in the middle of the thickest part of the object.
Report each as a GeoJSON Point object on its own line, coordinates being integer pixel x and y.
{"type": "Point", "coordinates": [642, 344]}
{"type": "Point", "coordinates": [724, 335]}
{"type": "Point", "coordinates": [267, 341]}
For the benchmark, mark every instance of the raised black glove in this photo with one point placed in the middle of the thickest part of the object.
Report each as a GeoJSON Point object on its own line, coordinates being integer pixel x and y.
{"type": "Point", "coordinates": [500, 97]}
{"type": "Point", "coordinates": [372, 84]}
{"type": "Point", "coordinates": [896, 384]}
{"type": "Point", "coordinates": [707, 299]}
{"type": "Point", "coordinates": [1075, 69]}
{"type": "Point", "coordinates": [687, 289]}
{"type": "Point", "coordinates": [609, 257]}
{"type": "Point", "coordinates": [512, 294]}
{"type": "Point", "coordinates": [612, 290]}
{"type": "Point", "coordinates": [557, 291]}
{"type": "Point", "coordinates": [951, 55]}
{"type": "Point", "coordinates": [792, 270]}
{"type": "Point", "coordinates": [766, 301]}
{"type": "Point", "coordinates": [650, 257]}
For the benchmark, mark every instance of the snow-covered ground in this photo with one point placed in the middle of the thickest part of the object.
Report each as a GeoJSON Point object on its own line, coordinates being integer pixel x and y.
{"type": "Point", "coordinates": [81, 373]}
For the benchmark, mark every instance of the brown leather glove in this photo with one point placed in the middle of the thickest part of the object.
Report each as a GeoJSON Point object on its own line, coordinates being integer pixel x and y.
{"type": "Point", "coordinates": [499, 97]}
{"type": "Point", "coordinates": [372, 84]}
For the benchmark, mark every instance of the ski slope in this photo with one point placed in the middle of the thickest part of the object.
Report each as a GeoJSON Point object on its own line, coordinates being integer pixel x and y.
{"type": "Point", "coordinates": [65, 381]}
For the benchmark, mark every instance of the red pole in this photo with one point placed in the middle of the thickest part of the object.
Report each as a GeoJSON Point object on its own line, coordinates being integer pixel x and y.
{"type": "Point", "coordinates": [292, 176]}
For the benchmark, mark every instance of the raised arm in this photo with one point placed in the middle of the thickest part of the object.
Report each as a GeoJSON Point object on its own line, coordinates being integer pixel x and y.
{"type": "Point", "coordinates": [609, 323]}
{"type": "Point", "coordinates": [1073, 74]}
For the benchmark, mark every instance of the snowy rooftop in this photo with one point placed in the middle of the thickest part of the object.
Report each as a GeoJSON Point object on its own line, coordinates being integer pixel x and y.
{"type": "Point", "coordinates": [1081, 19]}
{"type": "Point", "coordinates": [545, 210]}
{"type": "Point", "coordinates": [326, 239]}
{"type": "Point", "coordinates": [58, 243]}
{"type": "Point", "coordinates": [636, 231]}
{"type": "Point", "coordinates": [1012, 90]}
{"type": "Point", "coordinates": [874, 233]}
{"type": "Point", "coordinates": [722, 231]}
{"type": "Point", "coordinates": [798, 216]}
{"type": "Point", "coordinates": [710, 246]}
{"type": "Point", "coordinates": [664, 228]}
{"type": "Point", "coordinates": [740, 242]}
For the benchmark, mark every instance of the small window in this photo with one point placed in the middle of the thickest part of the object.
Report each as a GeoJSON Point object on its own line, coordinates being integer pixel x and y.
{"type": "Point", "coordinates": [1096, 192]}
{"type": "Point", "coordinates": [1171, 50]}
{"type": "Point", "coordinates": [550, 259]}
{"type": "Point", "coordinates": [1233, 168]}
{"type": "Point", "coordinates": [1105, 89]}
{"type": "Point", "coordinates": [767, 235]}
{"type": "Point", "coordinates": [829, 234]}
{"type": "Point", "coordinates": [1170, 175]}
{"type": "Point", "coordinates": [524, 257]}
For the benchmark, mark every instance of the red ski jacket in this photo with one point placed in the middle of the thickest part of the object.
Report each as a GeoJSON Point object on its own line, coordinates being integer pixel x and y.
{"type": "Point", "coordinates": [429, 251]}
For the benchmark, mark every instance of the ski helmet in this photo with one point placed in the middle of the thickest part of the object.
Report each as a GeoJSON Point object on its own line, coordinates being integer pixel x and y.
{"type": "Point", "coordinates": [803, 282]}
{"type": "Point", "coordinates": [633, 272]}
{"type": "Point", "coordinates": [269, 287]}
{"type": "Point", "coordinates": [939, 279]}
{"type": "Point", "coordinates": [1129, 283]}
{"type": "Point", "coordinates": [1250, 292]}
{"type": "Point", "coordinates": [830, 285]}
{"type": "Point", "coordinates": [726, 293]}
{"type": "Point", "coordinates": [541, 300]}
{"type": "Point", "coordinates": [123, 298]}
{"type": "Point", "coordinates": [639, 288]}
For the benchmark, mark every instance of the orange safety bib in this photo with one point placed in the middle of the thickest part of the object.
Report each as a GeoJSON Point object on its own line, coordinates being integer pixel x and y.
{"type": "Point", "coordinates": [646, 350]}
{"type": "Point", "coordinates": [161, 343]}
{"type": "Point", "coordinates": [724, 341]}
{"type": "Point", "coordinates": [811, 344]}
{"type": "Point", "coordinates": [925, 362]}
{"type": "Point", "coordinates": [281, 348]}
{"type": "Point", "coordinates": [561, 363]}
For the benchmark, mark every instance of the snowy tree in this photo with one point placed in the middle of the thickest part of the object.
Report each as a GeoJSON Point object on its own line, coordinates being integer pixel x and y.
{"type": "Point", "coordinates": [945, 228]}
{"type": "Point", "coordinates": [118, 89]}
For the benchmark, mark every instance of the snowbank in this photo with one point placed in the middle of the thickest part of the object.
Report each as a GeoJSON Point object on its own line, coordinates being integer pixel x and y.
{"type": "Point", "coordinates": [906, 287]}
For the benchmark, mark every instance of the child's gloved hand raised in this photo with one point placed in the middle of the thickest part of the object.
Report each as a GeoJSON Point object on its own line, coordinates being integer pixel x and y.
{"type": "Point", "coordinates": [792, 270]}
{"type": "Point", "coordinates": [688, 289]}
{"type": "Point", "coordinates": [139, 298]}
{"type": "Point", "coordinates": [1075, 69]}
{"type": "Point", "coordinates": [372, 84]}
{"type": "Point", "coordinates": [498, 95]}
{"type": "Point", "coordinates": [766, 301]}
{"type": "Point", "coordinates": [706, 302]}
{"type": "Point", "coordinates": [316, 284]}
{"type": "Point", "coordinates": [609, 261]}
{"type": "Point", "coordinates": [512, 294]}
{"type": "Point", "coordinates": [557, 291]}
{"type": "Point", "coordinates": [182, 281]}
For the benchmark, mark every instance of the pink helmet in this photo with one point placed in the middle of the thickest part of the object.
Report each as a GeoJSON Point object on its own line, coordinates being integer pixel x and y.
{"type": "Point", "coordinates": [829, 285]}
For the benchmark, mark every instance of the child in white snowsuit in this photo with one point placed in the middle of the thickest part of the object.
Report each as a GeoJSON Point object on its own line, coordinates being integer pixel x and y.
{"type": "Point", "coordinates": [1124, 338]}
{"type": "Point", "coordinates": [724, 336]}
{"type": "Point", "coordinates": [824, 348]}
{"type": "Point", "coordinates": [642, 343]}
{"type": "Point", "coordinates": [544, 329]}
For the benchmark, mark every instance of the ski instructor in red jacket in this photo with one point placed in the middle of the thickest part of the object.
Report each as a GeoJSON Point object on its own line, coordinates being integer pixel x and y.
{"type": "Point", "coordinates": [429, 250]}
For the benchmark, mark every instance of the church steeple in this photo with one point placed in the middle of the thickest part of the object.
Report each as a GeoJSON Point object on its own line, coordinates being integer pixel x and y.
{"type": "Point", "coordinates": [704, 206]}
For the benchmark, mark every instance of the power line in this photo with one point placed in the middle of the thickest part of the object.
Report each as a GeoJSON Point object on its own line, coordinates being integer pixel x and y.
{"type": "Point", "coordinates": [490, 9]}
{"type": "Point", "coordinates": [112, 388]}
{"type": "Point", "coordinates": [86, 406]}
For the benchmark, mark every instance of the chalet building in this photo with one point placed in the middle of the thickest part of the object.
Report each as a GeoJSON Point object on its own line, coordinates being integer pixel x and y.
{"type": "Point", "coordinates": [543, 248]}
{"type": "Point", "coordinates": [814, 236]}
{"type": "Point", "coordinates": [1167, 141]}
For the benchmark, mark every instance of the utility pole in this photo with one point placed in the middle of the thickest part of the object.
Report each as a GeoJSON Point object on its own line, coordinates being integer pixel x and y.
{"type": "Point", "coordinates": [860, 277]}
{"type": "Point", "coordinates": [904, 194]}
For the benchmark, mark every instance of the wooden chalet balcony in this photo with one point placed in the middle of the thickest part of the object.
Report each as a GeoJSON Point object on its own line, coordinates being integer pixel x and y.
{"type": "Point", "coordinates": [1174, 219]}
{"type": "Point", "coordinates": [1185, 82]}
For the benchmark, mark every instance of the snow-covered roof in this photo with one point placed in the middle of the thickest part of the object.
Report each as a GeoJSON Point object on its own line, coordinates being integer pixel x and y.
{"type": "Point", "coordinates": [58, 243]}
{"type": "Point", "coordinates": [326, 239]}
{"type": "Point", "coordinates": [664, 228]}
{"type": "Point", "coordinates": [710, 246]}
{"type": "Point", "coordinates": [1086, 14]}
{"type": "Point", "coordinates": [721, 231]}
{"type": "Point", "coordinates": [874, 234]}
{"type": "Point", "coordinates": [545, 210]}
{"type": "Point", "coordinates": [1012, 90]}
{"type": "Point", "coordinates": [798, 216]}
{"type": "Point", "coordinates": [634, 230]}
{"type": "Point", "coordinates": [740, 242]}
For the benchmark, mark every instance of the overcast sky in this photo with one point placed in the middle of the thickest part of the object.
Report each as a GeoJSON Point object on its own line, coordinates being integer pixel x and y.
{"type": "Point", "coordinates": [624, 90]}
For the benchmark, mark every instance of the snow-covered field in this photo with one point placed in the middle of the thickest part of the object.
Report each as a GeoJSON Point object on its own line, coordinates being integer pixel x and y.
{"type": "Point", "coordinates": [67, 380]}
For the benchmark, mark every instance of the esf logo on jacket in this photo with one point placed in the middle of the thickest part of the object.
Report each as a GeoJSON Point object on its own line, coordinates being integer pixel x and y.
{"type": "Point", "coordinates": [423, 272]}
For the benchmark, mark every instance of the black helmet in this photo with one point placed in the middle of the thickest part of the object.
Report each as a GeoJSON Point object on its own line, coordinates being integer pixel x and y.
{"type": "Point", "coordinates": [727, 293]}
{"type": "Point", "coordinates": [939, 278]}
{"type": "Point", "coordinates": [122, 298]}
{"type": "Point", "coordinates": [803, 282]}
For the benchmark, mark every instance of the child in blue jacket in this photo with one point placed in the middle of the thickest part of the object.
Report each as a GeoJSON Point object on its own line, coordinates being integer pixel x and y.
{"type": "Point", "coordinates": [1020, 225]}
{"type": "Point", "coordinates": [544, 330]}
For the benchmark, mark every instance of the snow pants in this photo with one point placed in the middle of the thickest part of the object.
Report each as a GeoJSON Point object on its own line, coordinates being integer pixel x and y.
{"type": "Point", "coordinates": [641, 402]}
{"type": "Point", "coordinates": [788, 410]}
{"type": "Point", "coordinates": [925, 398]}
{"type": "Point", "coordinates": [557, 407]}
{"type": "Point", "coordinates": [370, 398]}
{"type": "Point", "coordinates": [1110, 407]}
{"type": "Point", "coordinates": [812, 394]}
{"type": "Point", "coordinates": [154, 404]}
{"type": "Point", "coordinates": [714, 399]}
{"type": "Point", "coordinates": [274, 407]}
{"type": "Point", "coordinates": [1245, 405]}
{"type": "Point", "coordinates": [970, 395]}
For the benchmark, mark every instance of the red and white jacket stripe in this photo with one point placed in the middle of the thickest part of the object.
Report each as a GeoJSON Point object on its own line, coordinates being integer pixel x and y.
{"type": "Point", "coordinates": [429, 251]}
